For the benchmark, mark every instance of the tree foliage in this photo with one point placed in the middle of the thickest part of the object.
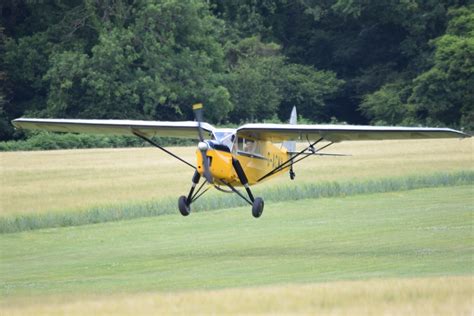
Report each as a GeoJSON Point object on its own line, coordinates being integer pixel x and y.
{"type": "Point", "coordinates": [377, 61]}
{"type": "Point", "coordinates": [444, 93]}
{"type": "Point", "coordinates": [166, 58]}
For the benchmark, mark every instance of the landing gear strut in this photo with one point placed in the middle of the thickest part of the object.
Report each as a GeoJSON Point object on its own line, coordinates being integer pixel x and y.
{"type": "Point", "coordinates": [292, 173]}
{"type": "Point", "coordinates": [184, 203]}
{"type": "Point", "coordinates": [257, 203]}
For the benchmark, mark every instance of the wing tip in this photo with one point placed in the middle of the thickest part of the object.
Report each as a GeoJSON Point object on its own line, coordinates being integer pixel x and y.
{"type": "Point", "coordinates": [460, 133]}
{"type": "Point", "coordinates": [17, 122]}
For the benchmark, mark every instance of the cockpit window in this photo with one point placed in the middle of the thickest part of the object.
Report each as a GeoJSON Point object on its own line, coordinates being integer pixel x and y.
{"type": "Point", "coordinates": [217, 146]}
{"type": "Point", "coordinates": [224, 137]}
{"type": "Point", "coordinates": [221, 135]}
{"type": "Point", "coordinates": [247, 145]}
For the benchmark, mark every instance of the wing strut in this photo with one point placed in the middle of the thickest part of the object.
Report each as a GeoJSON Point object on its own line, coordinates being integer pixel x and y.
{"type": "Point", "coordinates": [292, 159]}
{"type": "Point", "coordinates": [315, 152]}
{"type": "Point", "coordinates": [136, 133]}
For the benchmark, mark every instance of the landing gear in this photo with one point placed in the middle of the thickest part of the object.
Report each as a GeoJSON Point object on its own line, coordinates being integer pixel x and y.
{"type": "Point", "coordinates": [257, 207]}
{"type": "Point", "coordinates": [184, 203]}
{"type": "Point", "coordinates": [184, 207]}
{"type": "Point", "coordinates": [292, 173]}
{"type": "Point", "coordinates": [257, 203]}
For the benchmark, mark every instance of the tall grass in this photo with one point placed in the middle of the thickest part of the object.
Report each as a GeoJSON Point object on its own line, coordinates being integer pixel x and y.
{"type": "Point", "coordinates": [111, 213]}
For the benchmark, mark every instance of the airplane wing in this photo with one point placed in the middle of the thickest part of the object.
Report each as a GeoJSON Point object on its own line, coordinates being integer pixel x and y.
{"type": "Point", "coordinates": [118, 127]}
{"type": "Point", "coordinates": [338, 133]}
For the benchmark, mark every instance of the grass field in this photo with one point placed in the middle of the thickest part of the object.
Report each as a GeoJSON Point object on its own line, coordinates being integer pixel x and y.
{"type": "Point", "coordinates": [412, 234]}
{"type": "Point", "coordinates": [34, 182]}
{"type": "Point", "coordinates": [397, 253]}
{"type": "Point", "coordinates": [416, 296]}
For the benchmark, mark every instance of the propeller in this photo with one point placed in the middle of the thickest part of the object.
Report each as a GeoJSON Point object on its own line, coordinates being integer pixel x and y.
{"type": "Point", "coordinates": [202, 146]}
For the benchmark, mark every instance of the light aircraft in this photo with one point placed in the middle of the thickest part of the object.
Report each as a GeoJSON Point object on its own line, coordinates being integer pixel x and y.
{"type": "Point", "coordinates": [228, 158]}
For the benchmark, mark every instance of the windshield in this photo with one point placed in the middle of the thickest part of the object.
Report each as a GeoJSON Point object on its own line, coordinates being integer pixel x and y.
{"type": "Point", "coordinates": [225, 137]}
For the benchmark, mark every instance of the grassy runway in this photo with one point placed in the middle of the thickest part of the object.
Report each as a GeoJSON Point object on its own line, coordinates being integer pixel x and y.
{"type": "Point", "coordinates": [68, 180]}
{"type": "Point", "coordinates": [419, 233]}
{"type": "Point", "coordinates": [401, 252]}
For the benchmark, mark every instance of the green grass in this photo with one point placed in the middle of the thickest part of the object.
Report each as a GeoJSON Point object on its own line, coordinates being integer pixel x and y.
{"type": "Point", "coordinates": [425, 232]}
{"type": "Point", "coordinates": [78, 180]}
{"type": "Point", "coordinates": [19, 223]}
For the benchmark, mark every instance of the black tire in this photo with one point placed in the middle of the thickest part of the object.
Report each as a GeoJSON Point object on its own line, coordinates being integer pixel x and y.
{"type": "Point", "coordinates": [184, 207]}
{"type": "Point", "coordinates": [257, 207]}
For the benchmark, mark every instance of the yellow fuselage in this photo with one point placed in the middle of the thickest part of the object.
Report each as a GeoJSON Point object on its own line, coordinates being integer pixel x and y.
{"type": "Point", "coordinates": [255, 164]}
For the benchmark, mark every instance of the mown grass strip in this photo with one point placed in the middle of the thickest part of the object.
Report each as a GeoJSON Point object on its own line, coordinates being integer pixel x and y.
{"type": "Point", "coordinates": [111, 213]}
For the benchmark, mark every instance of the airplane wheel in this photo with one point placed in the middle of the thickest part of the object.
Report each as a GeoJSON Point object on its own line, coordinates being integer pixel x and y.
{"type": "Point", "coordinates": [257, 207]}
{"type": "Point", "coordinates": [183, 206]}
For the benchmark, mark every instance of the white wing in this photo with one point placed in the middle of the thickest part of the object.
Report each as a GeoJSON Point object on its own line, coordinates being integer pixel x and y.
{"type": "Point", "coordinates": [337, 133]}
{"type": "Point", "coordinates": [117, 127]}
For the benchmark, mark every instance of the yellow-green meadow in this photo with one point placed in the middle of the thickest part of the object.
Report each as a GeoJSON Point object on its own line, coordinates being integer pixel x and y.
{"type": "Point", "coordinates": [404, 250]}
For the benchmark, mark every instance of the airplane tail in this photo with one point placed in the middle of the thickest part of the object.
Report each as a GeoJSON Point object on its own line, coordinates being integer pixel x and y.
{"type": "Point", "coordinates": [291, 145]}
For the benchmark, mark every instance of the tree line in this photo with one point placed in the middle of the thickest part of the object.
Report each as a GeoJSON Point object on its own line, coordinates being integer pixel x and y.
{"type": "Point", "coordinates": [385, 62]}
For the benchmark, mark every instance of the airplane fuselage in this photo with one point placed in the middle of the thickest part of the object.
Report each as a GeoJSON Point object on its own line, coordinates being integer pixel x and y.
{"type": "Point", "coordinates": [256, 157]}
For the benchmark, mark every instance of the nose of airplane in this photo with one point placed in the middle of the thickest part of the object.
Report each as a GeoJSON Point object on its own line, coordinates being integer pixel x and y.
{"type": "Point", "coordinates": [203, 146]}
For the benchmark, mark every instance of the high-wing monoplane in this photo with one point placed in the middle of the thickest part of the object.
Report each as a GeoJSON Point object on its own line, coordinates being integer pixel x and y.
{"type": "Point", "coordinates": [229, 158]}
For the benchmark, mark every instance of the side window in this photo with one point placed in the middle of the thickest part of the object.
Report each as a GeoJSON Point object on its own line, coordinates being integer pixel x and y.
{"type": "Point", "coordinates": [250, 146]}
{"type": "Point", "coordinates": [247, 145]}
{"type": "Point", "coordinates": [240, 144]}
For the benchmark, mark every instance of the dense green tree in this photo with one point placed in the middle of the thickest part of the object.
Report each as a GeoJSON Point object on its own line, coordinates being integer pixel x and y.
{"type": "Point", "coordinates": [377, 61]}
{"type": "Point", "coordinates": [6, 131]}
{"type": "Point", "coordinates": [367, 43]}
{"type": "Point", "coordinates": [35, 31]}
{"type": "Point", "coordinates": [254, 90]}
{"type": "Point", "coordinates": [387, 106]}
{"type": "Point", "coordinates": [307, 89]}
{"type": "Point", "coordinates": [165, 59]}
{"type": "Point", "coordinates": [444, 94]}
{"type": "Point", "coordinates": [441, 95]}
{"type": "Point", "coordinates": [264, 84]}
{"type": "Point", "coordinates": [252, 79]}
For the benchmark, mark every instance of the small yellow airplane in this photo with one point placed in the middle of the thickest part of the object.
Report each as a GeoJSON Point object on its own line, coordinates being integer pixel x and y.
{"type": "Point", "coordinates": [228, 158]}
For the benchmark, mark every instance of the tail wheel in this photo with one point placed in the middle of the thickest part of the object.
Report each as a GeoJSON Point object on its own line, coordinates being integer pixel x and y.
{"type": "Point", "coordinates": [184, 207]}
{"type": "Point", "coordinates": [257, 207]}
